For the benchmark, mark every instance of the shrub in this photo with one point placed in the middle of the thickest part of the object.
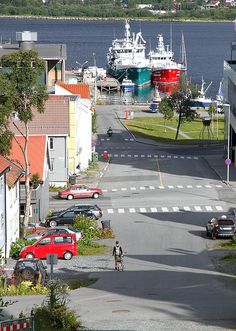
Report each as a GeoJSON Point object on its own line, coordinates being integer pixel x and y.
{"type": "Point", "coordinates": [17, 246]}
{"type": "Point", "coordinates": [106, 234]}
{"type": "Point", "coordinates": [86, 225]}
{"type": "Point", "coordinates": [54, 314]}
{"type": "Point", "coordinates": [24, 288]}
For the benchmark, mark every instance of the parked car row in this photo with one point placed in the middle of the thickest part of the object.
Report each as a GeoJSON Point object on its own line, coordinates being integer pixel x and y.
{"type": "Point", "coordinates": [59, 239]}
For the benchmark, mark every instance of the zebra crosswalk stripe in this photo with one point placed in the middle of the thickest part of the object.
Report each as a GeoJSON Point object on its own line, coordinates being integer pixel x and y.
{"type": "Point", "coordinates": [164, 209]}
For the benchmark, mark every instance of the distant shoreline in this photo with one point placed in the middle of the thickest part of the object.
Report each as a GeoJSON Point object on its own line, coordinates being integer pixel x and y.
{"type": "Point", "coordinates": [74, 18]}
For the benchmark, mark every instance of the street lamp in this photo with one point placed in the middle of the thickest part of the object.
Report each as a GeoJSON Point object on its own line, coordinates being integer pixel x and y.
{"type": "Point", "coordinates": [228, 160]}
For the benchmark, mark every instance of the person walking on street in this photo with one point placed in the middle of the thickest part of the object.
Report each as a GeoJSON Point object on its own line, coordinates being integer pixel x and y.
{"type": "Point", "coordinates": [117, 253]}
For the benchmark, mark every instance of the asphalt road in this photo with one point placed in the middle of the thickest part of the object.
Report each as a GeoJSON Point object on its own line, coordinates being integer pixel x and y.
{"type": "Point", "coordinates": [158, 199]}
{"type": "Point", "coordinates": [158, 206]}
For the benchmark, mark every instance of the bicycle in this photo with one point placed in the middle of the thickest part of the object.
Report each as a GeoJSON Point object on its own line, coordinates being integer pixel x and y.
{"type": "Point", "coordinates": [120, 264]}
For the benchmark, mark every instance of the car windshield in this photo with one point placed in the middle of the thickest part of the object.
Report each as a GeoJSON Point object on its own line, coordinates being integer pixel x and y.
{"type": "Point", "coordinates": [25, 264]}
{"type": "Point", "coordinates": [226, 222]}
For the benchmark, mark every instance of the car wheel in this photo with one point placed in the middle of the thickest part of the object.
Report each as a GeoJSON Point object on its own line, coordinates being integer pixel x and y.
{"type": "Point", "coordinates": [68, 255]}
{"type": "Point", "coordinates": [70, 197]}
{"type": "Point", "coordinates": [29, 256]}
{"type": "Point", "coordinates": [95, 195]}
{"type": "Point", "coordinates": [28, 274]}
{"type": "Point", "coordinates": [52, 224]}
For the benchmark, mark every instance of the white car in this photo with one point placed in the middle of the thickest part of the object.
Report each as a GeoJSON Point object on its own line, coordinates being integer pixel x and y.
{"type": "Point", "coordinates": [55, 230]}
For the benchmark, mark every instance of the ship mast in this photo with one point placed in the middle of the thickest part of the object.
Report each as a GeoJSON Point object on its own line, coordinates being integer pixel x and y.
{"type": "Point", "coordinates": [183, 58]}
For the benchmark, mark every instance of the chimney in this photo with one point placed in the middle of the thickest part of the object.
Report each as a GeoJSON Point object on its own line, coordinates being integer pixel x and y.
{"type": "Point", "coordinates": [26, 40]}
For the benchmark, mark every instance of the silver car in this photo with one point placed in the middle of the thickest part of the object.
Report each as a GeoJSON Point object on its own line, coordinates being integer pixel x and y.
{"type": "Point", "coordinates": [55, 230]}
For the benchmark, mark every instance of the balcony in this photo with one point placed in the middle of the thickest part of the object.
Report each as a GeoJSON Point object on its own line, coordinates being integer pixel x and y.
{"type": "Point", "coordinates": [35, 193]}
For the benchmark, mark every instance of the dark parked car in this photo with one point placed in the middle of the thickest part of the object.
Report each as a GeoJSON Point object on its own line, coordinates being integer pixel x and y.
{"type": "Point", "coordinates": [67, 217]}
{"type": "Point", "coordinates": [94, 209]}
{"type": "Point", "coordinates": [30, 270]}
{"type": "Point", "coordinates": [80, 191]}
{"type": "Point", "coordinates": [220, 227]}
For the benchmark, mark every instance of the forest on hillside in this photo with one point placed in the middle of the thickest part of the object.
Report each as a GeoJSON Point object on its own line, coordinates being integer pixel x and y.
{"type": "Point", "coordinates": [186, 10]}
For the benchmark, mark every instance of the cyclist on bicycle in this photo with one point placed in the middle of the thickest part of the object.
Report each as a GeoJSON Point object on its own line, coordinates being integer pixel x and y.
{"type": "Point", "coordinates": [117, 253]}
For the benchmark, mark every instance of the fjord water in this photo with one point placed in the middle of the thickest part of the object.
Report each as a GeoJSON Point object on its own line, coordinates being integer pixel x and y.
{"type": "Point", "coordinates": [207, 44]}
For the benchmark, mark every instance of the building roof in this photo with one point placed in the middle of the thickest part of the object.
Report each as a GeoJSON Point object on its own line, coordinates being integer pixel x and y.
{"type": "Point", "coordinates": [81, 89]}
{"type": "Point", "coordinates": [45, 51]}
{"type": "Point", "coordinates": [36, 153]}
{"type": "Point", "coordinates": [54, 121]}
{"type": "Point", "coordinates": [4, 165]}
{"type": "Point", "coordinates": [14, 173]}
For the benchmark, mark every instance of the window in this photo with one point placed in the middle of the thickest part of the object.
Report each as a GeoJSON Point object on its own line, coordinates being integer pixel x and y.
{"type": "Point", "coordinates": [44, 241]}
{"type": "Point", "coordinates": [51, 143]}
{"type": "Point", "coordinates": [69, 214]}
{"type": "Point", "coordinates": [51, 165]}
{"type": "Point", "coordinates": [62, 240]}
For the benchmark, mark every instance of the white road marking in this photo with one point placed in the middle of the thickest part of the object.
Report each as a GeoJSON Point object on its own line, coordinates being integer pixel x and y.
{"type": "Point", "coordinates": [105, 190]}
{"type": "Point", "coordinates": [129, 155]}
{"type": "Point", "coordinates": [135, 155]}
{"type": "Point", "coordinates": [133, 188]}
{"type": "Point", "coordinates": [123, 189]}
{"type": "Point", "coordinates": [208, 186]}
{"type": "Point", "coordinates": [164, 209]}
{"type": "Point", "coordinates": [175, 208]}
{"type": "Point", "coordinates": [175, 157]}
{"type": "Point", "coordinates": [152, 187]}
{"type": "Point", "coordinates": [122, 155]}
{"type": "Point", "coordinates": [219, 186]}
{"type": "Point", "coordinates": [142, 155]}
{"type": "Point", "coordinates": [114, 190]}
{"type": "Point", "coordinates": [116, 155]}
{"type": "Point", "coordinates": [142, 210]}
{"type": "Point", "coordinates": [170, 186]}
{"type": "Point", "coordinates": [180, 186]}
{"type": "Point", "coordinates": [153, 210]}
{"type": "Point", "coordinates": [186, 208]}
{"type": "Point", "coordinates": [142, 188]}
{"type": "Point", "coordinates": [161, 187]}
{"type": "Point", "coordinates": [189, 186]}
{"type": "Point", "coordinates": [198, 186]}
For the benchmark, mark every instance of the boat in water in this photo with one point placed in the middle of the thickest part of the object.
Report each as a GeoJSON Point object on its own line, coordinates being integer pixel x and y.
{"type": "Point", "coordinates": [127, 85]}
{"type": "Point", "coordinates": [154, 105]}
{"type": "Point", "coordinates": [202, 102]}
{"type": "Point", "coordinates": [126, 57]}
{"type": "Point", "coordinates": [164, 69]}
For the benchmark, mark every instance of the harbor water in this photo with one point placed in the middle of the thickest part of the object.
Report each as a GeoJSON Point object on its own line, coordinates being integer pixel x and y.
{"type": "Point", "coordinates": [207, 44]}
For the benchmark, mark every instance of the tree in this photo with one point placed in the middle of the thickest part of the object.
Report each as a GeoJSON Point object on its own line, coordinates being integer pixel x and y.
{"type": "Point", "coordinates": [165, 109]}
{"type": "Point", "coordinates": [180, 103]}
{"type": "Point", "coordinates": [20, 94]}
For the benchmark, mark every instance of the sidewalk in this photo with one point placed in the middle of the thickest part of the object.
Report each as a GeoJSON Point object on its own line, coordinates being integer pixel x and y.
{"type": "Point", "coordinates": [93, 176]}
{"type": "Point", "coordinates": [217, 164]}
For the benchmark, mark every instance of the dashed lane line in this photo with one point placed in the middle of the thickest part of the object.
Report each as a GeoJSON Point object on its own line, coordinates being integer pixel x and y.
{"type": "Point", "coordinates": [161, 187]}
{"type": "Point", "coordinates": [152, 156]}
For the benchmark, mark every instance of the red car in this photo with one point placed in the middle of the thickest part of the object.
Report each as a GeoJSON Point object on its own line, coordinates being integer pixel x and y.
{"type": "Point", "coordinates": [80, 191]}
{"type": "Point", "coordinates": [64, 245]}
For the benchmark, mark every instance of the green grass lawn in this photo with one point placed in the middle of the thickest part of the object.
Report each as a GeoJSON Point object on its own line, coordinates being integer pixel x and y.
{"type": "Point", "coordinates": [156, 128]}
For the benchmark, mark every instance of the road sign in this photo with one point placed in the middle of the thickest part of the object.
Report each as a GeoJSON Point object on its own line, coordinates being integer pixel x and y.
{"type": "Point", "coordinates": [227, 161]}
